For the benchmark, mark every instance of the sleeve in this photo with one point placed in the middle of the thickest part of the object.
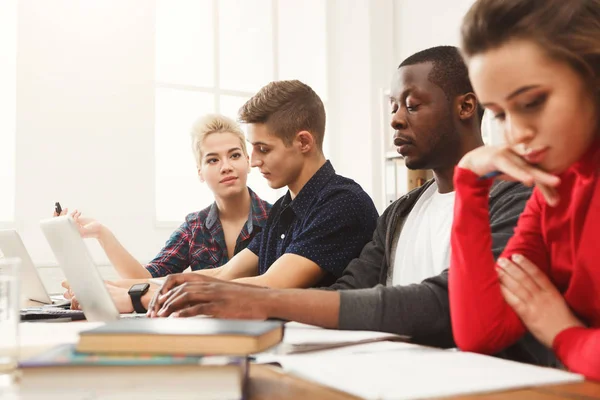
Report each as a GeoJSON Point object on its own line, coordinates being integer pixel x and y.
{"type": "Point", "coordinates": [334, 232]}
{"type": "Point", "coordinates": [422, 311]}
{"type": "Point", "coordinates": [365, 271]}
{"type": "Point", "coordinates": [579, 350]}
{"type": "Point", "coordinates": [254, 245]}
{"type": "Point", "coordinates": [174, 256]}
{"type": "Point", "coordinates": [481, 320]}
{"type": "Point", "coordinates": [419, 310]}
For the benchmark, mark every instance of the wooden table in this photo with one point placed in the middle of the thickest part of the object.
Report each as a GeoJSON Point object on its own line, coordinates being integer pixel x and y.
{"type": "Point", "coordinates": [270, 383]}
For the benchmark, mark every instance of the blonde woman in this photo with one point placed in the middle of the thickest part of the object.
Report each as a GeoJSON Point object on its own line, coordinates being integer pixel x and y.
{"type": "Point", "coordinates": [210, 237]}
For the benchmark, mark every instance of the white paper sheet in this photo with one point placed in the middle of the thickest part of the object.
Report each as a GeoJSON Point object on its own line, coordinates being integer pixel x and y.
{"type": "Point", "coordinates": [299, 335]}
{"type": "Point", "coordinates": [375, 347]}
{"type": "Point", "coordinates": [419, 374]}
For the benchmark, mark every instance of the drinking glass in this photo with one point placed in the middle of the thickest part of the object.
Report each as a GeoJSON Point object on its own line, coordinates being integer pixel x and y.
{"type": "Point", "coordinates": [9, 314]}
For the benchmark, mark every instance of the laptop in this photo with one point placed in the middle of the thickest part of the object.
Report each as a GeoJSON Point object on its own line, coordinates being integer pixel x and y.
{"type": "Point", "coordinates": [11, 245]}
{"type": "Point", "coordinates": [80, 270]}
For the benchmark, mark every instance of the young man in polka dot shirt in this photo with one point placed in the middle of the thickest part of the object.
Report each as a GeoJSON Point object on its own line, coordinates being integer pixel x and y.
{"type": "Point", "coordinates": [323, 221]}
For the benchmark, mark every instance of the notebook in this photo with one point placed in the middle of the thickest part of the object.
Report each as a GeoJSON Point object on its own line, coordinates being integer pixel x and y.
{"type": "Point", "coordinates": [192, 336]}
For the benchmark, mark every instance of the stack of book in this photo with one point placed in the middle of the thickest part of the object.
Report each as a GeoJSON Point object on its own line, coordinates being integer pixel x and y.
{"type": "Point", "coordinates": [204, 356]}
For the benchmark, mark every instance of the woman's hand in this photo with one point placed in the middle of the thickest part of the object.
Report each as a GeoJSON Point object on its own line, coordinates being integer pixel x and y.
{"type": "Point", "coordinates": [119, 295]}
{"type": "Point", "coordinates": [535, 299]}
{"type": "Point", "coordinates": [68, 294]}
{"type": "Point", "coordinates": [88, 227]}
{"type": "Point", "coordinates": [512, 166]}
{"type": "Point", "coordinates": [63, 212]}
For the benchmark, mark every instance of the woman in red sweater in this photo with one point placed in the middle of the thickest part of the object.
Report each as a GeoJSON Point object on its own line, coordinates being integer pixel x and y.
{"type": "Point", "coordinates": [536, 66]}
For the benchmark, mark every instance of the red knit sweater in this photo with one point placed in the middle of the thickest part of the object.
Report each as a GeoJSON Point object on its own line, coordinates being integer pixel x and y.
{"type": "Point", "coordinates": [563, 241]}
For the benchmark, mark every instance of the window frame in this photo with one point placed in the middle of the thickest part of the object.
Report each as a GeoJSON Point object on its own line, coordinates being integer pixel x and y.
{"type": "Point", "coordinates": [10, 128]}
{"type": "Point", "coordinates": [217, 91]}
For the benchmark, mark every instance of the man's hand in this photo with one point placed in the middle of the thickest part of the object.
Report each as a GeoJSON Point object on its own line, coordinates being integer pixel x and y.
{"type": "Point", "coordinates": [186, 295]}
{"type": "Point", "coordinates": [171, 282]}
{"type": "Point", "coordinates": [216, 299]}
{"type": "Point", "coordinates": [535, 299]}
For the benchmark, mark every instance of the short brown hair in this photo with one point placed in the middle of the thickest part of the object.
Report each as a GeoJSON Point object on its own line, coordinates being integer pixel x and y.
{"type": "Point", "coordinates": [287, 107]}
{"type": "Point", "coordinates": [568, 30]}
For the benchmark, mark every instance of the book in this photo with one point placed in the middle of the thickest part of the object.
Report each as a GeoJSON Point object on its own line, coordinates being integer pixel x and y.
{"type": "Point", "coordinates": [190, 336]}
{"type": "Point", "coordinates": [64, 373]}
{"type": "Point", "coordinates": [67, 355]}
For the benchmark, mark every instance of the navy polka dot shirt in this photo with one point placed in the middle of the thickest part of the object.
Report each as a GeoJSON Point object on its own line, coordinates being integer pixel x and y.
{"type": "Point", "coordinates": [328, 222]}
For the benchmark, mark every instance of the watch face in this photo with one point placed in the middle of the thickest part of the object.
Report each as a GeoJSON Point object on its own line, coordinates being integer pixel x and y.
{"type": "Point", "coordinates": [139, 287]}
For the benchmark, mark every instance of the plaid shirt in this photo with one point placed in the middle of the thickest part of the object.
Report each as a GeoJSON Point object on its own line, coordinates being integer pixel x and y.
{"type": "Point", "coordinates": [199, 242]}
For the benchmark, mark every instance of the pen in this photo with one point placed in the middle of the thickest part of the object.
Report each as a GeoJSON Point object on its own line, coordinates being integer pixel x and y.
{"type": "Point", "coordinates": [490, 175]}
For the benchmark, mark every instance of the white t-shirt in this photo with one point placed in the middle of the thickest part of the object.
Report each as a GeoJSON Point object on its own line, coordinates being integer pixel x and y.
{"type": "Point", "coordinates": [423, 248]}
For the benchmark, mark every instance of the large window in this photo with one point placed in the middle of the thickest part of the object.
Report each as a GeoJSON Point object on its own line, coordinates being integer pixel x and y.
{"type": "Point", "coordinates": [8, 98]}
{"type": "Point", "coordinates": [213, 55]}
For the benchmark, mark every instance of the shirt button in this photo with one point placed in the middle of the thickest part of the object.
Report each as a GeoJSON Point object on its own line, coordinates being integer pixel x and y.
{"type": "Point", "coordinates": [282, 236]}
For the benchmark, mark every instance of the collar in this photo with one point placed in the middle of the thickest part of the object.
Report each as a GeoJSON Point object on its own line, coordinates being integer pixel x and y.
{"type": "Point", "coordinates": [213, 215]}
{"type": "Point", "coordinates": [589, 163]}
{"type": "Point", "coordinates": [311, 189]}
{"type": "Point", "coordinates": [256, 216]}
{"type": "Point", "coordinates": [253, 217]}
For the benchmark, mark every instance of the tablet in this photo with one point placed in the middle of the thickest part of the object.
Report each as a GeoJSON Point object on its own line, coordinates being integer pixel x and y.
{"type": "Point", "coordinates": [79, 268]}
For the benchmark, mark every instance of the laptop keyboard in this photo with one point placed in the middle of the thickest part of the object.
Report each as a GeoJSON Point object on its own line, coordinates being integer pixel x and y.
{"type": "Point", "coordinates": [133, 315]}
{"type": "Point", "coordinates": [50, 313]}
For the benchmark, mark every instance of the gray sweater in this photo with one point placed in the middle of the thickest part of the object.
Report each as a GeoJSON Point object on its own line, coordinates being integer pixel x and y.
{"type": "Point", "coordinates": [420, 310]}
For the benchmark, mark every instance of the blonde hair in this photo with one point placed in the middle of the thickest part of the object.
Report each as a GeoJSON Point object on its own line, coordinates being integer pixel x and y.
{"type": "Point", "coordinates": [214, 123]}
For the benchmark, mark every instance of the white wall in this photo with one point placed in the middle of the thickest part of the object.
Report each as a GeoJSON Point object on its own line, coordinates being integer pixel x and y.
{"type": "Point", "coordinates": [85, 118]}
{"type": "Point", "coordinates": [85, 111]}
{"type": "Point", "coordinates": [427, 23]}
{"type": "Point", "coordinates": [85, 105]}
{"type": "Point", "coordinates": [8, 72]}
{"type": "Point", "coordinates": [361, 47]}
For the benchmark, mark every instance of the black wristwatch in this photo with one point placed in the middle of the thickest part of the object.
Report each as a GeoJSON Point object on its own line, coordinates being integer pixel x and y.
{"type": "Point", "coordinates": [136, 292]}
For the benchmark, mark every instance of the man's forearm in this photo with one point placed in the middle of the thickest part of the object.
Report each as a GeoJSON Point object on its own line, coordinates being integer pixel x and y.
{"type": "Point", "coordinates": [224, 273]}
{"type": "Point", "coordinates": [212, 272]}
{"type": "Point", "coordinates": [308, 306]}
{"type": "Point", "coordinates": [244, 264]}
{"type": "Point", "coordinates": [125, 264]}
{"type": "Point", "coordinates": [251, 280]}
